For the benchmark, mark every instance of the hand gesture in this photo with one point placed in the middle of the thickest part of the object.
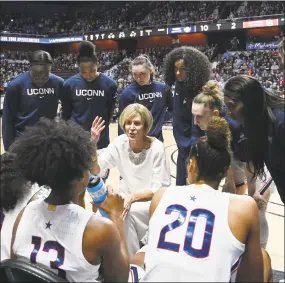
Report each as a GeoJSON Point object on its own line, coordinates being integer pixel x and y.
{"type": "Point", "coordinates": [97, 128]}
{"type": "Point", "coordinates": [128, 200]}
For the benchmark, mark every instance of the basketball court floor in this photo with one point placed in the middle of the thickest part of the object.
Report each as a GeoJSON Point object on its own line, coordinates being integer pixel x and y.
{"type": "Point", "coordinates": [275, 210]}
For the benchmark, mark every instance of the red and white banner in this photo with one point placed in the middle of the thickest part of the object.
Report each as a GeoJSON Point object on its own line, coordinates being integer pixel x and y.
{"type": "Point", "coordinates": [261, 23]}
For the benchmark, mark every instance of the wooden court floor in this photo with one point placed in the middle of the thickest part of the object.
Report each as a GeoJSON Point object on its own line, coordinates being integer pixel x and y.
{"type": "Point", "coordinates": [275, 210]}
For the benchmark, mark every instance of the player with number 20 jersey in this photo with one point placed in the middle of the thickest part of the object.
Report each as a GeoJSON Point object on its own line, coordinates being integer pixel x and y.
{"type": "Point", "coordinates": [194, 232]}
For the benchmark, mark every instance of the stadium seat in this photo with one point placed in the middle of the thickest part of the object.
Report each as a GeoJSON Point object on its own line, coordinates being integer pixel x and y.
{"type": "Point", "coordinates": [22, 270]}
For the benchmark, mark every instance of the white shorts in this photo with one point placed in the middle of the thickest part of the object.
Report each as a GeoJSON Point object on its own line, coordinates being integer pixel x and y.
{"type": "Point", "coordinates": [262, 183]}
{"type": "Point", "coordinates": [136, 273]}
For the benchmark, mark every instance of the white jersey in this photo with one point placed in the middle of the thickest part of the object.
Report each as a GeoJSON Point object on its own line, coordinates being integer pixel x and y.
{"type": "Point", "coordinates": [53, 235]}
{"type": "Point", "coordinates": [7, 220]}
{"type": "Point", "coordinates": [190, 239]}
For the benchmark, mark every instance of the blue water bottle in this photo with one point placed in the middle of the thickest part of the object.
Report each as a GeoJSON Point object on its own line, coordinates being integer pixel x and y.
{"type": "Point", "coordinates": [98, 192]}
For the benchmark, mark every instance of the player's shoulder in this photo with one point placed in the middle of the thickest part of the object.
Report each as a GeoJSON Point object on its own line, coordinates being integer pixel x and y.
{"type": "Point", "coordinates": [159, 85]}
{"type": "Point", "coordinates": [243, 206]}
{"type": "Point", "coordinates": [109, 81]}
{"type": "Point", "coordinates": [72, 79]}
{"type": "Point", "coordinates": [99, 230]}
{"type": "Point", "coordinates": [56, 78]}
{"type": "Point", "coordinates": [130, 90]}
{"type": "Point", "coordinates": [19, 80]}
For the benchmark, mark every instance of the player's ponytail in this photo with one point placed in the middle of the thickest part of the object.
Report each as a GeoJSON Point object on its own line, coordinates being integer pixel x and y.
{"type": "Point", "coordinates": [212, 152]}
{"type": "Point", "coordinates": [211, 96]}
{"type": "Point", "coordinates": [86, 52]}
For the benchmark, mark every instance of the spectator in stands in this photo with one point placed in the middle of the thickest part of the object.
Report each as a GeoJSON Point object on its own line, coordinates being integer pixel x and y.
{"type": "Point", "coordinates": [59, 155]}
{"type": "Point", "coordinates": [142, 163]}
{"type": "Point", "coordinates": [30, 96]}
{"type": "Point", "coordinates": [144, 90]}
{"type": "Point", "coordinates": [89, 94]}
{"type": "Point", "coordinates": [262, 115]}
{"type": "Point", "coordinates": [187, 70]}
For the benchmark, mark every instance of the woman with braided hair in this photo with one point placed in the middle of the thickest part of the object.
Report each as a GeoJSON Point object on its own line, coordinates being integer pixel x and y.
{"type": "Point", "coordinates": [186, 70]}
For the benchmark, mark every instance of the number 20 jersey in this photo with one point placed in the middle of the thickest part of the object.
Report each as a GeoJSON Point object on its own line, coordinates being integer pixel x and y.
{"type": "Point", "coordinates": [190, 238]}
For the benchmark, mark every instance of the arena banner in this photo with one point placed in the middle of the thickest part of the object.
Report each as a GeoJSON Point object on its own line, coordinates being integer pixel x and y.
{"type": "Point", "coordinates": [42, 40]}
{"type": "Point", "coordinates": [262, 45]}
{"type": "Point", "coordinates": [261, 23]}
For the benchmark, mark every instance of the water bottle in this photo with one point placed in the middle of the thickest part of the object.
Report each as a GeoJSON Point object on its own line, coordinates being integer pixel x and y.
{"type": "Point", "coordinates": [98, 192]}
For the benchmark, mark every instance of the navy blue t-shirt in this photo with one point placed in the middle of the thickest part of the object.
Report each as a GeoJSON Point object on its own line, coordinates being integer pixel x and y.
{"type": "Point", "coordinates": [82, 101]}
{"type": "Point", "coordinates": [183, 131]}
{"type": "Point", "coordinates": [25, 104]}
{"type": "Point", "coordinates": [155, 97]}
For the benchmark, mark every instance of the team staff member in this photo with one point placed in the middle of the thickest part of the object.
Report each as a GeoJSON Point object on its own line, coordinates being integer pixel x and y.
{"type": "Point", "coordinates": [187, 69]}
{"type": "Point", "coordinates": [30, 96]}
{"type": "Point", "coordinates": [89, 94]}
{"type": "Point", "coordinates": [151, 94]}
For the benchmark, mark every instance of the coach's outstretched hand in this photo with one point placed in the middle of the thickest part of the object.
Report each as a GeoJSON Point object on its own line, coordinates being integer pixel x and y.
{"type": "Point", "coordinates": [97, 128]}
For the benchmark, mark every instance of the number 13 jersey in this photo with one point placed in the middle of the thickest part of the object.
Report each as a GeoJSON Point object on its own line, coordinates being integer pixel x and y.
{"type": "Point", "coordinates": [53, 235]}
{"type": "Point", "coordinates": [190, 239]}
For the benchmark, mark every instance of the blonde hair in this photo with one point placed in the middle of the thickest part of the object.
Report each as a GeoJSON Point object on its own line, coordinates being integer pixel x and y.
{"type": "Point", "coordinates": [136, 109]}
{"type": "Point", "coordinates": [143, 60]}
{"type": "Point", "coordinates": [211, 96]}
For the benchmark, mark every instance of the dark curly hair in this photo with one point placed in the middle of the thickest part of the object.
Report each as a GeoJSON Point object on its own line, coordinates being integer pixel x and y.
{"type": "Point", "coordinates": [13, 185]}
{"type": "Point", "coordinates": [198, 68]}
{"type": "Point", "coordinates": [212, 151]}
{"type": "Point", "coordinates": [54, 153]}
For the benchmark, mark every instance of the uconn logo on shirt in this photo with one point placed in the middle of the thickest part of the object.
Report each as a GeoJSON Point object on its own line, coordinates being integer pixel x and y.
{"type": "Point", "coordinates": [40, 91]}
{"type": "Point", "coordinates": [151, 95]}
{"type": "Point", "coordinates": [90, 92]}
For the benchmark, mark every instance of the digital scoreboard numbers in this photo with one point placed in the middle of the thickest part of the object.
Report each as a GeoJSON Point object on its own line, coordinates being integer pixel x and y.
{"type": "Point", "coordinates": [218, 26]}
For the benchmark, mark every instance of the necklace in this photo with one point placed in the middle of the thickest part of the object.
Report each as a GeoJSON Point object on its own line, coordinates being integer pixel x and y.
{"type": "Point", "coordinates": [137, 158]}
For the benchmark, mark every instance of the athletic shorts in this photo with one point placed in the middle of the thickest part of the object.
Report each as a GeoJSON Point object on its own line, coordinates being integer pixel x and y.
{"type": "Point", "coordinates": [262, 182]}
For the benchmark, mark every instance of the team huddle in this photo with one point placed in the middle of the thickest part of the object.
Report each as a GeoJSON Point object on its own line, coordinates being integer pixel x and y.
{"type": "Point", "coordinates": [150, 231]}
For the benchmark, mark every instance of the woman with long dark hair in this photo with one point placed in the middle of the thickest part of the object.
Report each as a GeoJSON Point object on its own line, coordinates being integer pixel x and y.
{"type": "Point", "coordinates": [262, 115]}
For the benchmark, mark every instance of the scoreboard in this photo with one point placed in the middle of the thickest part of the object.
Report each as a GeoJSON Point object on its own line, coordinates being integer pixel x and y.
{"type": "Point", "coordinates": [185, 29]}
